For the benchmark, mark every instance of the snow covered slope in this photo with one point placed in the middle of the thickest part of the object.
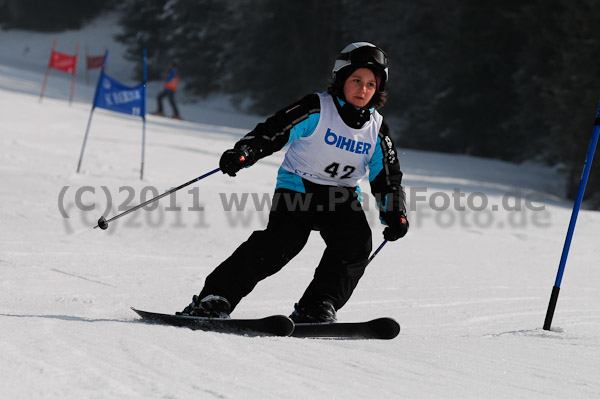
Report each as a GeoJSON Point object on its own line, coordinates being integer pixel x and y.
{"type": "Point", "coordinates": [470, 287]}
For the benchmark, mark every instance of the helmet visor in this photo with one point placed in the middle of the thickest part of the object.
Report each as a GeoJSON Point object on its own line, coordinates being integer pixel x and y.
{"type": "Point", "coordinates": [366, 56]}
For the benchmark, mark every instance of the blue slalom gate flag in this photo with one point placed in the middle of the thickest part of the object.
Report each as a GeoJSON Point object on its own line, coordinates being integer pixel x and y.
{"type": "Point", "coordinates": [115, 96]}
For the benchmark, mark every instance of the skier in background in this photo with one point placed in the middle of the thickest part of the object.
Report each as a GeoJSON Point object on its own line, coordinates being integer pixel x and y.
{"type": "Point", "coordinates": [336, 138]}
{"type": "Point", "coordinates": [170, 87]}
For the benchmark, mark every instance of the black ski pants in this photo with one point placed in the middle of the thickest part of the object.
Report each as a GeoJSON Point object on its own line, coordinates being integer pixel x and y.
{"type": "Point", "coordinates": [170, 94]}
{"type": "Point", "coordinates": [335, 212]}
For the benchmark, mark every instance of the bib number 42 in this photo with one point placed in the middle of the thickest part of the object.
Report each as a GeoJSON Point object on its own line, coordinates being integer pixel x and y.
{"type": "Point", "coordinates": [334, 169]}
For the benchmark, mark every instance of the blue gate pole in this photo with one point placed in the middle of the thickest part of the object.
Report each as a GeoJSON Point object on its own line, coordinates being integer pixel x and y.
{"type": "Point", "coordinates": [92, 111]}
{"type": "Point", "coordinates": [563, 259]}
{"type": "Point", "coordinates": [144, 116]}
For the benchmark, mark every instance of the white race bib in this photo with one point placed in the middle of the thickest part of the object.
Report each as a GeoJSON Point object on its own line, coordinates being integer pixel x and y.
{"type": "Point", "coordinates": [334, 154]}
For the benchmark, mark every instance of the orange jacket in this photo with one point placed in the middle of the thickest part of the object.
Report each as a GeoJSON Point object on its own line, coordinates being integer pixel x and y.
{"type": "Point", "coordinates": [172, 80]}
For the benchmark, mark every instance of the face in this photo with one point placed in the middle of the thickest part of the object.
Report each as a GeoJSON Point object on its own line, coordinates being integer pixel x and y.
{"type": "Point", "coordinates": [360, 87]}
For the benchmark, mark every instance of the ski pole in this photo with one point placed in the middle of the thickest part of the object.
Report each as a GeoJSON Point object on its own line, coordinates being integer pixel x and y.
{"type": "Point", "coordinates": [377, 250]}
{"type": "Point", "coordinates": [103, 223]}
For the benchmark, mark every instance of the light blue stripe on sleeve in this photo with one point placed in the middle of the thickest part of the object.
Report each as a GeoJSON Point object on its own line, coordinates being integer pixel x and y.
{"type": "Point", "coordinates": [304, 128]}
{"type": "Point", "coordinates": [376, 162]}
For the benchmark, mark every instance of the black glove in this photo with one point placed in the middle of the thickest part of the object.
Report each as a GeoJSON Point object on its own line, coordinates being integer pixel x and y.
{"type": "Point", "coordinates": [392, 213]}
{"type": "Point", "coordinates": [237, 158]}
{"type": "Point", "coordinates": [397, 225]}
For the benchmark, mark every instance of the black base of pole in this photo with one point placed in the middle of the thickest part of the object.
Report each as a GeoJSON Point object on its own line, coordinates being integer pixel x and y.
{"type": "Point", "coordinates": [551, 307]}
{"type": "Point", "coordinates": [102, 223]}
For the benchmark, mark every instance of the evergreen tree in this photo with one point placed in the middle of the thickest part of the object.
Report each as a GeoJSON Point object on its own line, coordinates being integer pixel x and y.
{"type": "Point", "coordinates": [145, 26]}
{"type": "Point", "coordinates": [479, 100]}
{"type": "Point", "coordinates": [558, 87]}
{"type": "Point", "coordinates": [283, 52]}
{"type": "Point", "coordinates": [50, 16]}
{"type": "Point", "coordinates": [198, 41]}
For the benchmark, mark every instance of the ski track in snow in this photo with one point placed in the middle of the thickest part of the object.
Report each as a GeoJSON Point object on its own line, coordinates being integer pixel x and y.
{"type": "Point", "coordinates": [470, 292]}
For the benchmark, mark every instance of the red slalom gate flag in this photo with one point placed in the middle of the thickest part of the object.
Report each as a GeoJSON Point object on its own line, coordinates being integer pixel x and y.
{"type": "Point", "coordinates": [95, 61]}
{"type": "Point", "coordinates": [63, 62]}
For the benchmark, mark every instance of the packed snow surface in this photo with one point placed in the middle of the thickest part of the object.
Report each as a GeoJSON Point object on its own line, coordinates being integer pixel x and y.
{"type": "Point", "coordinates": [469, 284]}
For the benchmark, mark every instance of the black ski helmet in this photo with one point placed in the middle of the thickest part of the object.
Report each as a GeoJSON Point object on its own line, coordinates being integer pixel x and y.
{"type": "Point", "coordinates": [363, 55]}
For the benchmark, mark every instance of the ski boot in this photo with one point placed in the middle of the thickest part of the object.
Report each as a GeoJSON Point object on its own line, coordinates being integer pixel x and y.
{"type": "Point", "coordinates": [212, 306]}
{"type": "Point", "coordinates": [318, 312]}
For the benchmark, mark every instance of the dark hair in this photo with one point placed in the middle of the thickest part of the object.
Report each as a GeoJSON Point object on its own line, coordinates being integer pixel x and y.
{"type": "Point", "coordinates": [336, 88]}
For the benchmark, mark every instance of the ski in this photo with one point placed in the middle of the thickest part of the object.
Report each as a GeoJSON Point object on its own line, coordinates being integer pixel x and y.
{"type": "Point", "coordinates": [381, 328]}
{"type": "Point", "coordinates": [268, 326]}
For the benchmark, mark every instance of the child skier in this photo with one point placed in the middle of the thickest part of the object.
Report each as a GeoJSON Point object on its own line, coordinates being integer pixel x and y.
{"type": "Point", "coordinates": [335, 139]}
